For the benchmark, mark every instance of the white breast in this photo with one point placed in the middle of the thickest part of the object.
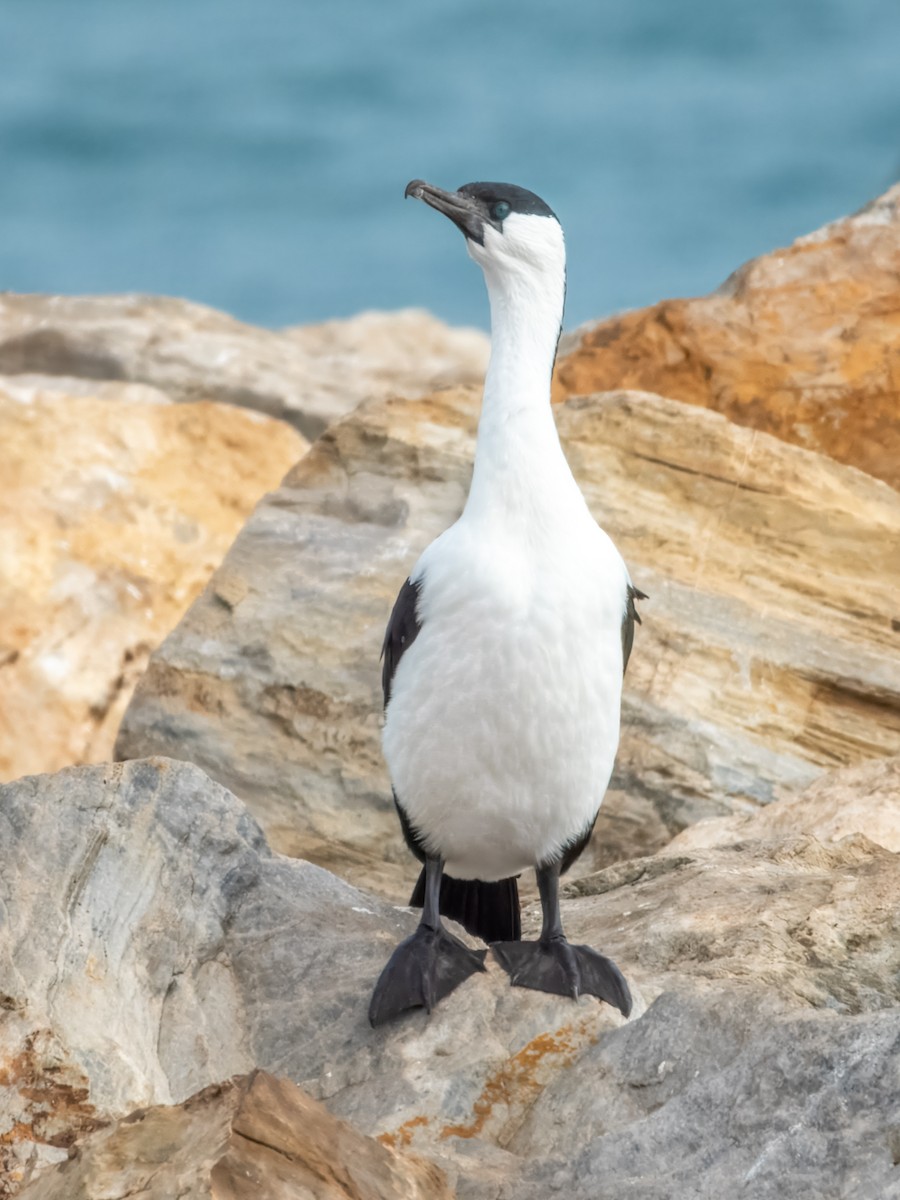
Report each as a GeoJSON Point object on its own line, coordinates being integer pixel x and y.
{"type": "Point", "coordinates": [504, 718]}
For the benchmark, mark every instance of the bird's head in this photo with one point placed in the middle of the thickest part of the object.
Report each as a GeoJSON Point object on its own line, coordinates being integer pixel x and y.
{"type": "Point", "coordinates": [510, 232]}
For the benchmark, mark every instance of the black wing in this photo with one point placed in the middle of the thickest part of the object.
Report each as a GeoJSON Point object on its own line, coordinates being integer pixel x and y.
{"type": "Point", "coordinates": [631, 615]}
{"type": "Point", "coordinates": [402, 630]}
{"type": "Point", "coordinates": [572, 851]}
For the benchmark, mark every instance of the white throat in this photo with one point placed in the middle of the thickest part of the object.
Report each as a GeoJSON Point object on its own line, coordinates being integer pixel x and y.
{"type": "Point", "coordinates": [520, 469]}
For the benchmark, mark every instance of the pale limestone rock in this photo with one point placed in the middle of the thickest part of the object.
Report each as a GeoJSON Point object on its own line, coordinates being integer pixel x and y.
{"type": "Point", "coordinates": [404, 353]}
{"type": "Point", "coordinates": [803, 343]}
{"type": "Point", "coordinates": [246, 1139]}
{"type": "Point", "coordinates": [863, 799]}
{"type": "Point", "coordinates": [26, 389]}
{"type": "Point", "coordinates": [308, 376]}
{"type": "Point", "coordinates": [766, 655]}
{"type": "Point", "coordinates": [153, 945]}
{"type": "Point", "coordinates": [116, 507]}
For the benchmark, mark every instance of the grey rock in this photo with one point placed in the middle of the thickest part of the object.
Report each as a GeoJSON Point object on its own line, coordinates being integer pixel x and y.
{"type": "Point", "coordinates": [307, 376]}
{"type": "Point", "coordinates": [716, 1095]}
{"type": "Point", "coordinates": [406, 352]}
{"type": "Point", "coordinates": [153, 944]}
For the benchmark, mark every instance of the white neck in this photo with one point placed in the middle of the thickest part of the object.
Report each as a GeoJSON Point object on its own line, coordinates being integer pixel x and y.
{"type": "Point", "coordinates": [521, 474]}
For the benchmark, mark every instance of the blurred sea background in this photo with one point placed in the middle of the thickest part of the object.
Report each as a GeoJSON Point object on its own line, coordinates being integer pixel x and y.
{"type": "Point", "coordinates": [253, 156]}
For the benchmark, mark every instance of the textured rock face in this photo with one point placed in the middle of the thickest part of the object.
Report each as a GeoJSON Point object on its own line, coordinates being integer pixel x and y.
{"type": "Point", "coordinates": [766, 656]}
{"type": "Point", "coordinates": [131, 969]}
{"type": "Point", "coordinates": [248, 1138]}
{"type": "Point", "coordinates": [863, 799]}
{"type": "Point", "coordinates": [308, 377]}
{"type": "Point", "coordinates": [733, 1098]}
{"type": "Point", "coordinates": [405, 353]}
{"type": "Point", "coordinates": [116, 506]}
{"type": "Point", "coordinates": [803, 343]}
{"type": "Point", "coordinates": [153, 945]}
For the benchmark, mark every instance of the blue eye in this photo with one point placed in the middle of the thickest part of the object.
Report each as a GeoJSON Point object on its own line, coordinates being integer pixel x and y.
{"type": "Point", "coordinates": [500, 210]}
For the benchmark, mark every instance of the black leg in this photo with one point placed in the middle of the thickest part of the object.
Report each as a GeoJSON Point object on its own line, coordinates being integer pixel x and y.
{"type": "Point", "coordinates": [427, 966]}
{"type": "Point", "coordinates": [431, 914]}
{"type": "Point", "coordinates": [552, 965]}
{"type": "Point", "coordinates": [548, 886]}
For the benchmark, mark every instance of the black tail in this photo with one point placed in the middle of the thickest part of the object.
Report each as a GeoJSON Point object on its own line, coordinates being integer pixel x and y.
{"type": "Point", "coordinates": [489, 910]}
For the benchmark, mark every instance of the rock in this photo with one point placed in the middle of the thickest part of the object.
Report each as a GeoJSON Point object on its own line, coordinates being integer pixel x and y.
{"type": "Point", "coordinates": [766, 656]}
{"type": "Point", "coordinates": [786, 914]}
{"type": "Point", "coordinates": [308, 377]}
{"type": "Point", "coordinates": [802, 343]}
{"type": "Point", "coordinates": [250, 1137]}
{"type": "Point", "coordinates": [863, 799]}
{"type": "Point", "coordinates": [718, 1096]}
{"type": "Point", "coordinates": [132, 896]}
{"type": "Point", "coordinates": [403, 353]}
{"type": "Point", "coordinates": [116, 507]}
{"type": "Point", "coordinates": [154, 945]}
{"type": "Point", "coordinates": [25, 388]}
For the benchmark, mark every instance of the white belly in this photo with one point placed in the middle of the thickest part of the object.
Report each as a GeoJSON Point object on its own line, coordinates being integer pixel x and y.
{"type": "Point", "coordinates": [504, 718]}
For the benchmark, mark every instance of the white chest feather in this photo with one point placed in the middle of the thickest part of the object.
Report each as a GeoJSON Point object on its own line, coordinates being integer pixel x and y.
{"type": "Point", "coordinates": [504, 718]}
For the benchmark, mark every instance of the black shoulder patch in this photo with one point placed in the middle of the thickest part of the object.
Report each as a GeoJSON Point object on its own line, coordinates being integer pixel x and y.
{"type": "Point", "coordinates": [631, 615]}
{"type": "Point", "coordinates": [402, 630]}
{"type": "Point", "coordinates": [519, 199]}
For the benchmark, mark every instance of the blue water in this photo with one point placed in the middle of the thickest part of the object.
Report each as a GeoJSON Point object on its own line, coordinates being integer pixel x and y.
{"type": "Point", "coordinates": [253, 155]}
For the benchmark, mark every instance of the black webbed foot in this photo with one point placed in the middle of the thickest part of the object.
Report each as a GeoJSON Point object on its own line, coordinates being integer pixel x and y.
{"type": "Point", "coordinates": [557, 967]}
{"type": "Point", "coordinates": [422, 970]}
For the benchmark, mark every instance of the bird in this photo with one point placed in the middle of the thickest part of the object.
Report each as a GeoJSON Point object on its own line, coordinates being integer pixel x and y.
{"type": "Point", "coordinates": [504, 653]}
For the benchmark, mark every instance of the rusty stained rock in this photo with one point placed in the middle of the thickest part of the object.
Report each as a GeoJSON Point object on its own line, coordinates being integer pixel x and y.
{"type": "Point", "coordinates": [307, 376]}
{"type": "Point", "coordinates": [766, 656]}
{"type": "Point", "coordinates": [44, 1098]}
{"type": "Point", "coordinates": [802, 343]}
{"type": "Point", "coordinates": [116, 507]}
{"type": "Point", "coordinates": [244, 1139]}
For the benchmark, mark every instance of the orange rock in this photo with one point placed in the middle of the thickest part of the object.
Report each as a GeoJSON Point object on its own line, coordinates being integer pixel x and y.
{"type": "Point", "coordinates": [802, 343]}
{"type": "Point", "coordinates": [117, 506]}
{"type": "Point", "coordinates": [248, 1137]}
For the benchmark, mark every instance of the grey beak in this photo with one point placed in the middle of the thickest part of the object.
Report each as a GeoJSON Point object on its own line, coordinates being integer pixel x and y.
{"type": "Point", "coordinates": [464, 211]}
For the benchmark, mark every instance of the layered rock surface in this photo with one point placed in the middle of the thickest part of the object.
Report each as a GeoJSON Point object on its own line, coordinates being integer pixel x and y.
{"type": "Point", "coordinates": [404, 353]}
{"type": "Point", "coordinates": [155, 945]}
{"type": "Point", "coordinates": [308, 377]}
{"type": "Point", "coordinates": [116, 507]}
{"type": "Point", "coordinates": [803, 343]}
{"type": "Point", "coordinates": [866, 797]}
{"type": "Point", "coordinates": [767, 653]}
{"type": "Point", "coordinates": [240, 1140]}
